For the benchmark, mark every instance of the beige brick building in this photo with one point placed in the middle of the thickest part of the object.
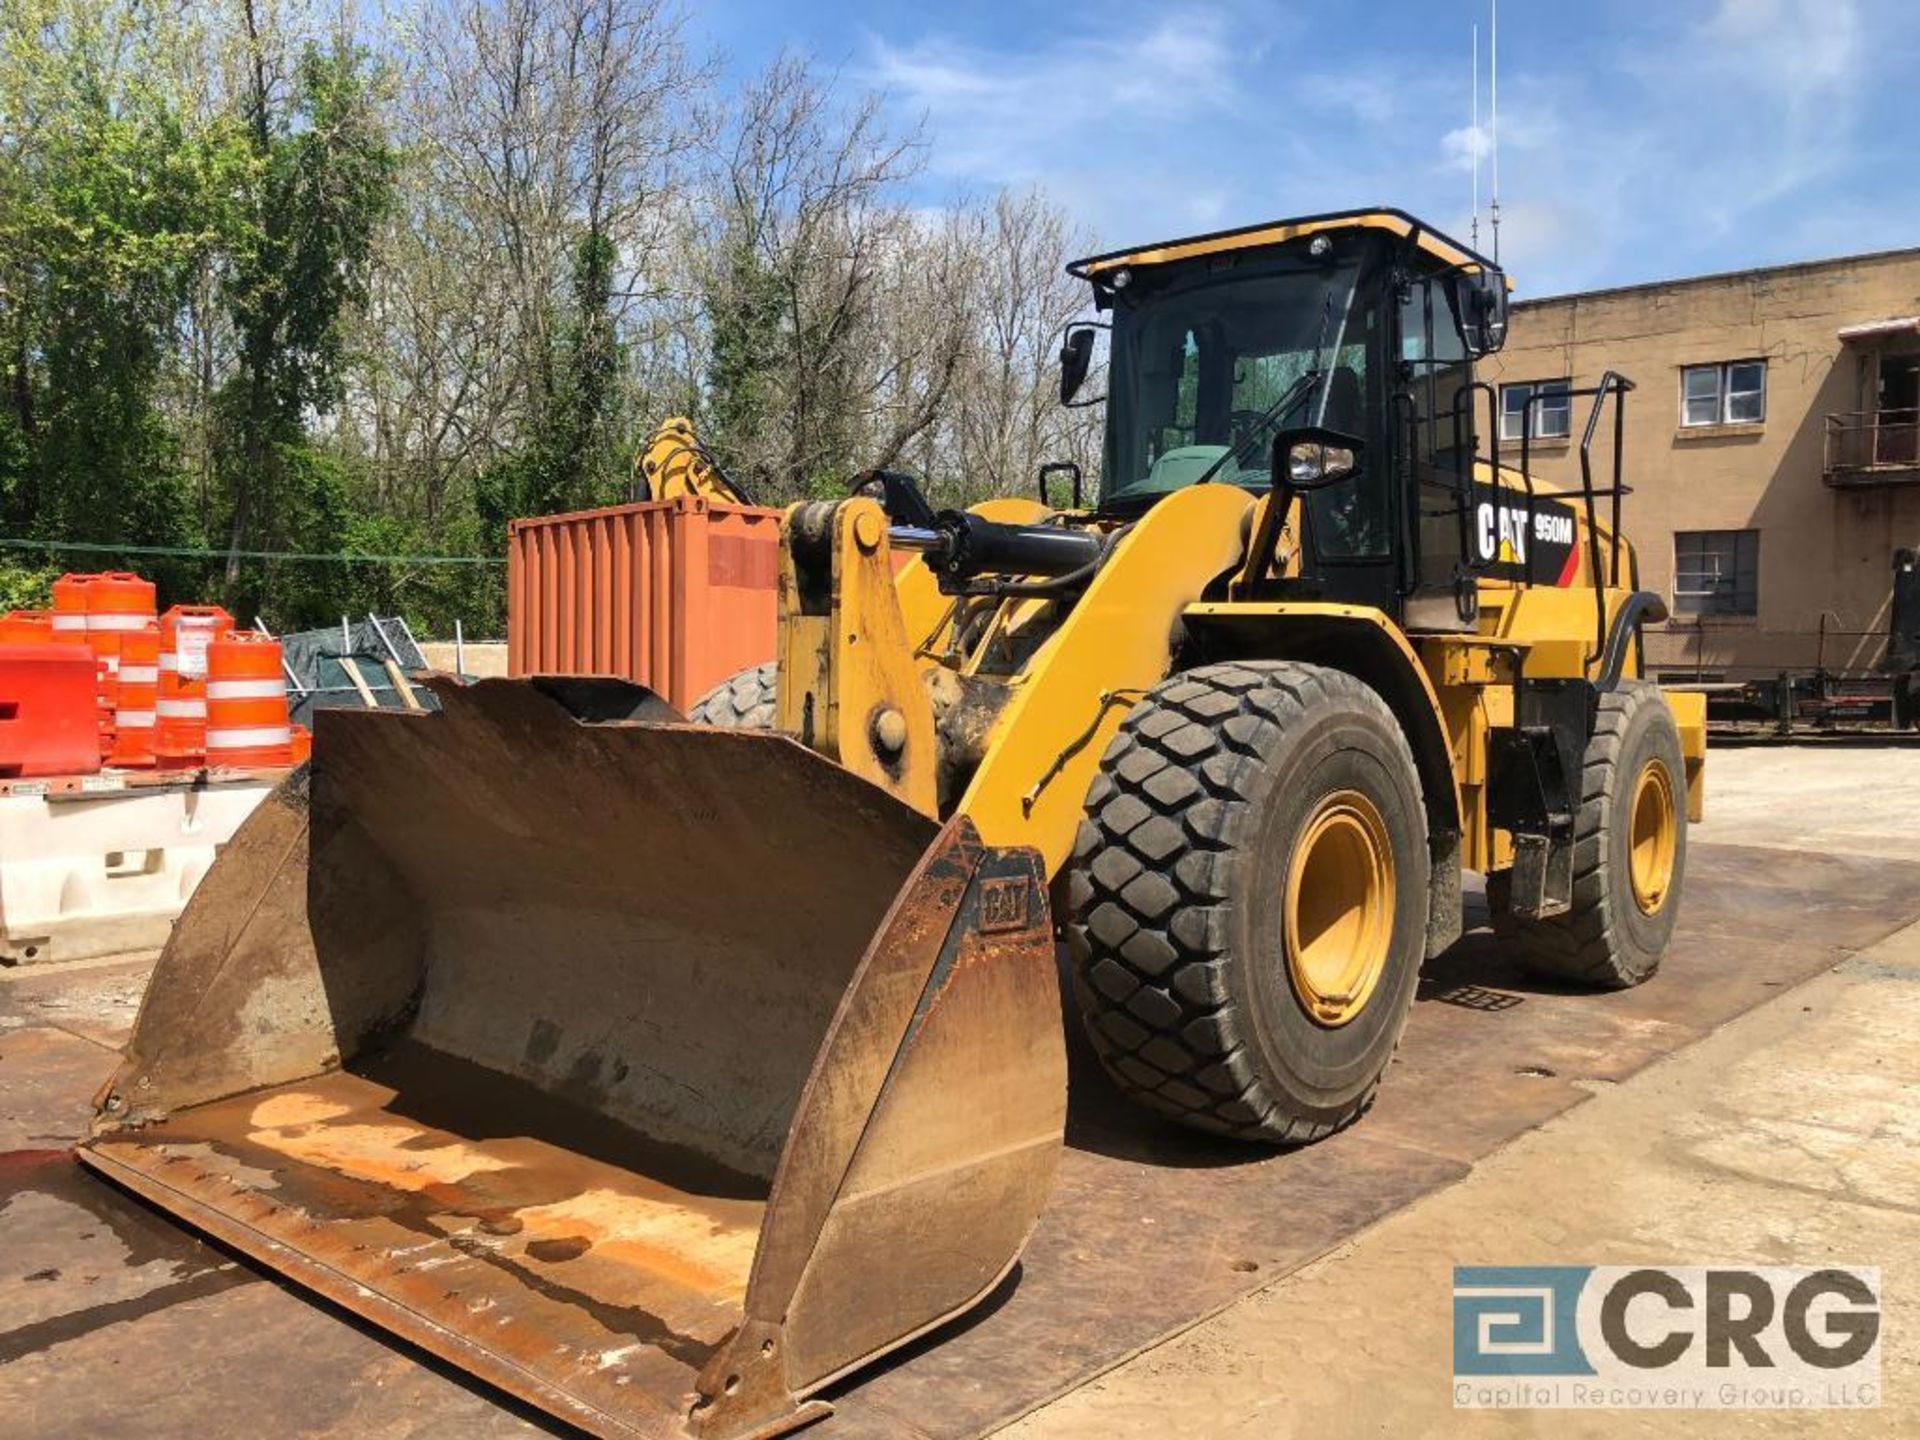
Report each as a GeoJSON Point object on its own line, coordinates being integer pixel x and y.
{"type": "Point", "coordinates": [1773, 443]}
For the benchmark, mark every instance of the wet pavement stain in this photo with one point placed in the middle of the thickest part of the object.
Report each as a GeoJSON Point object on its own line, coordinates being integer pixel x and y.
{"type": "Point", "coordinates": [126, 1245]}
{"type": "Point", "coordinates": [45, 1334]}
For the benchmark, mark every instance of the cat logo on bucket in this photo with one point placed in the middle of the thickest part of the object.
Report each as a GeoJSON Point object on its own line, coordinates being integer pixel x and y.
{"type": "Point", "coordinates": [1503, 535]}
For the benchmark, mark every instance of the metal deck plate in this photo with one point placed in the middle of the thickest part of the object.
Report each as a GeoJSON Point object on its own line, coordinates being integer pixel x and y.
{"type": "Point", "coordinates": [1149, 1231]}
{"type": "Point", "coordinates": [1152, 1230]}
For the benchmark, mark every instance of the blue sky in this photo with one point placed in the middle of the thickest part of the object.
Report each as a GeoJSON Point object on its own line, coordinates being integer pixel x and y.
{"type": "Point", "coordinates": [1638, 140]}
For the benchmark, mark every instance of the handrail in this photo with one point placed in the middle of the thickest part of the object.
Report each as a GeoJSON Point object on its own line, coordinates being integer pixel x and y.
{"type": "Point", "coordinates": [1859, 440]}
{"type": "Point", "coordinates": [1611, 385]}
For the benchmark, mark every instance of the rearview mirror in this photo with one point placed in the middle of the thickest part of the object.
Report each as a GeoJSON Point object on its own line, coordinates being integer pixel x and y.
{"type": "Point", "coordinates": [1480, 304]}
{"type": "Point", "coordinates": [1312, 457]}
{"type": "Point", "coordinates": [1076, 359]}
{"type": "Point", "coordinates": [1060, 467]}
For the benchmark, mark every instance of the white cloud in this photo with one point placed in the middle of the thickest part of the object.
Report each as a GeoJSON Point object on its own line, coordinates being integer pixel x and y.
{"type": "Point", "coordinates": [1464, 146]}
{"type": "Point", "coordinates": [1659, 139]}
{"type": "Point", "coordinates": [1105, 120]}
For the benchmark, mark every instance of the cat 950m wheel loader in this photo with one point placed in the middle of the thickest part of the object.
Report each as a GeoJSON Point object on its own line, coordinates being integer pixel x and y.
{"type": "Point", "coordinates": [662, 1073]}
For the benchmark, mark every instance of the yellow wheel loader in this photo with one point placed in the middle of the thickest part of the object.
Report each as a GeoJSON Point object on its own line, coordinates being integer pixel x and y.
{"type": "Point", "coordinates": [664, 1073]}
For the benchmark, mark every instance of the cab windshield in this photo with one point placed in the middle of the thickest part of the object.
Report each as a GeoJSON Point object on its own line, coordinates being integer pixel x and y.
{"type": "Point", "coordinates": [1198, 368]}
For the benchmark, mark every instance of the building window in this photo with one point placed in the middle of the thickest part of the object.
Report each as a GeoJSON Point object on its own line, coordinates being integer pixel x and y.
{"type": "Point", "coordinates": [1732, 392]}
{"type": "Point", "coordinates": [1552, 411]}
{"type": "Point", "coordinates": [1716, 572]}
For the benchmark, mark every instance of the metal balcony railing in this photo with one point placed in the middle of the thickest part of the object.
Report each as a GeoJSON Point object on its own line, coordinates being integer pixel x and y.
{"type": "Point", "coordinates": [1869, 447]}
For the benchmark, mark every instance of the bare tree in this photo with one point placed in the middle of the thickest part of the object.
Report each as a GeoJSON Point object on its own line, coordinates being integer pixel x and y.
{"type": "Point", "coordinates": [549, 138]}
{"type": "Point", "coordinates": [1007, 416]}
{"type": "Point", "coordinates": [796, 241]}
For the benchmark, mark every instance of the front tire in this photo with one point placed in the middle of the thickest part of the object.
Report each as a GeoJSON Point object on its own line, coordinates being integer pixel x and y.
{"type": "Point", "coordinates": [1249, 899]}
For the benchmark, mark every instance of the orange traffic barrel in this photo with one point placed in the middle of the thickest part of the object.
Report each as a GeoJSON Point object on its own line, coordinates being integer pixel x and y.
{"type": "Point", "coordinates": [70, 624]}
{"type": "Point", "coordinates": [247, 724]}
{"type": "Point", "coordinates": [70, 607]}
{"type": "Point", "coordinates": [134, 710]}
{"type": "Point", "coordinates": [302, 744]}
{"type": "Point", "coordinates": [48, 723]}
{"type": "Point", "coordinates": [180, 730]}
{"type": "Point", "coordinates": [26, 627]}
{"type": "Point", "coordinates": [117, 602]}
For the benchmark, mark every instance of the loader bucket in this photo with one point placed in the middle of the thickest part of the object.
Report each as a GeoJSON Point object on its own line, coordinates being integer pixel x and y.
{"type": "Point", "coordinates": [658, 1075]}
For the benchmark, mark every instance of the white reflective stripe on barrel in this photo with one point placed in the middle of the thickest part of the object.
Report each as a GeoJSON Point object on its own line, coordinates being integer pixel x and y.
{"type": "Point", "coordinates": [183, 709]}
{"type": "Point", "coordinates": [246, 739]}
{"type": "Point", "coordinates": [169, 660]}
{"type": "Point", "coordinates": [112, 662]}
{"type": "Point", "coordinates": [246, 689]}
{"type": "Point", "coordinates": [112, 620]}
{"type": "Point", "coordinates": [70, 620]}
{"type": "Point", "coordinates": [139, 675]}
{"type": "Point", "coordinates": [133, 719]}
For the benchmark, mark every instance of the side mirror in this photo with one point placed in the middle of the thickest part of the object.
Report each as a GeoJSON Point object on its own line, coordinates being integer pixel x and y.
{"type": "Point", "coordinates": [1060, 467]}
{"type": "Point", "coordinates": [1480, 303]}
{"type": "Point", "coordinates": [1076, 359]}
{"type": "Point", "coordinates": [1312, 457]}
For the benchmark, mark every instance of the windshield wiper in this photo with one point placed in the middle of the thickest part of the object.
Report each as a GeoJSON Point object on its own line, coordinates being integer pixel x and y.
{"type": "Point", "coordinates": [1296, 392]}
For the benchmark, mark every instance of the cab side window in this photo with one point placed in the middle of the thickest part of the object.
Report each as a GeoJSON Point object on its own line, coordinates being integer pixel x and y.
{"type": "Point", "coordinates": [1436, 368]}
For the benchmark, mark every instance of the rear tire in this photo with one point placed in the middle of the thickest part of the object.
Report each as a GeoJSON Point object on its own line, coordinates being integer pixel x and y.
{"type": "Point", "coordinates": [1629, 852]}
{"type": "Point", "coordinates": [741, 702]}
{"type": "Point", "coordinates": [1249, 899]}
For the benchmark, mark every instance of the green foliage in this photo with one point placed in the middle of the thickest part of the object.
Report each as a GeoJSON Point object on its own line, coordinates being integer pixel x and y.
{"type": "Point", "coordinates": [574, 457]}
{"type": "Point", "coordinates": [322, 180]}
{"type": "Point", "coordinates": [102, 218]}
{"type": "Point", "coordinates": [262, 289]}
{"type": "Point", "coordinates": [744, 306]}
{"type": "Point", "coordinates": [24, 585]}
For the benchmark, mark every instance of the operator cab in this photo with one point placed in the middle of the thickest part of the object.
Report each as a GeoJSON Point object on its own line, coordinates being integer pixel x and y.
{"type": "Point", "coordinates": [1342, 344]}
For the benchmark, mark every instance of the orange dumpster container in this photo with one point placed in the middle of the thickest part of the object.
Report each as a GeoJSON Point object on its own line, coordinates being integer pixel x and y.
{"type": "Point", "coordinates": [675, 594]}
{"type": "Point", "coordinates": [247, 722]}
{"type": "Point", "coordinates": [180, 728]}
{"type": "Point", "coordinates": [49, 723]}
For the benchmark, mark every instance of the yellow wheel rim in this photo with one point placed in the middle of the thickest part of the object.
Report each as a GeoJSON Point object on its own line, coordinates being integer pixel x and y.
{"type": "Point", "coordinates": [1339, 907]}
{"type": "Point", "coordinates": [1654, 838]}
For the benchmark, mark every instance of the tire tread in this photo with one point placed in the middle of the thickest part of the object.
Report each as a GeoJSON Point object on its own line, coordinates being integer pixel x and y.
{"type": "Point", "coordinates": [1149, 879]}
{"type": "Point", "coordinates": [1582, 945]}
{"type": "Point", "coordinates": [743, 701]}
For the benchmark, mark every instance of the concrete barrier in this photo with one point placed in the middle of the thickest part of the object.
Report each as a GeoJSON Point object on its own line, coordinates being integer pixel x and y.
{"type": "Point", "coordinates": [88, 871]}
{"type": "Point", "coordinates": [483, 660]}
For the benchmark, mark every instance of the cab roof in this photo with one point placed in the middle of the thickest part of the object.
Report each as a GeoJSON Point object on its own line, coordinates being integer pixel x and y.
{"type": "Point", "coordinates": [1430, 241]}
